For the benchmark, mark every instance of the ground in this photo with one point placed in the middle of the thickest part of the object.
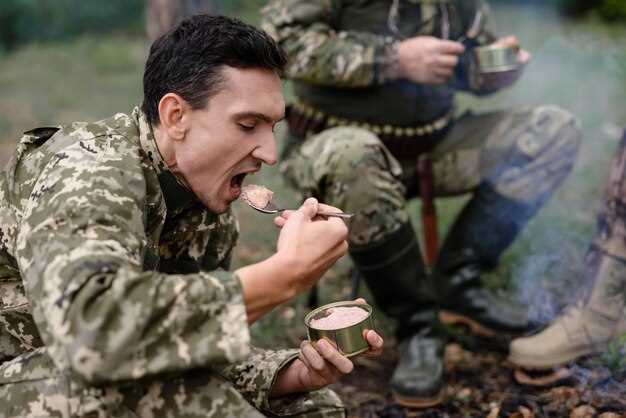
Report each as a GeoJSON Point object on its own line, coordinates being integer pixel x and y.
{"type": "Point", "coordinates": [578, 65]}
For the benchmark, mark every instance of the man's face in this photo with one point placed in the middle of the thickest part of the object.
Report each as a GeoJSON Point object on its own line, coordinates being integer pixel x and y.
{"type": "Point", "coordinates": [231, 137]}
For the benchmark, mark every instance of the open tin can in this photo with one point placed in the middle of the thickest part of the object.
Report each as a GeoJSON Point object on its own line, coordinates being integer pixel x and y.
{"type": "Point", "coordinates": [496, 58]}
{"type": "Point", "coordinates": [348, 339]}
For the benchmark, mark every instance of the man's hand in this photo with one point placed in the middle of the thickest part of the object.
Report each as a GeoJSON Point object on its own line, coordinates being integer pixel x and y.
{"type": "Point", "coordinates": [309, 244]}
{"type": "Point", "coordinates": [497, 81]}
{"type": "Point", "coordinates": [320, 364]}
{"type": "Point", "coordinates": [428, 60]}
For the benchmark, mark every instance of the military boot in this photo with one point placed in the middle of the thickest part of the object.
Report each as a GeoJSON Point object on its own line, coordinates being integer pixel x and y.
{"type": "Point", "coordinates": [395, 274]}
{"type": "Point", "coordinates": [585, 328]}
{"type": "Point", "coordinates": [487, 225]}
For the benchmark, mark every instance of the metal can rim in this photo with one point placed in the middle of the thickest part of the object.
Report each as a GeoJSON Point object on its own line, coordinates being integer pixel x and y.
{"type": "Point", "coordinates": [365, 306]}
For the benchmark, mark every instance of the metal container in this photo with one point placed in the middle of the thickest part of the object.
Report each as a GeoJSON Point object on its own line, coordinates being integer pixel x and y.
{"type": "Point", "coordinates": [349, 340]}
{"type": "Point", "coordinates": [496, 58]}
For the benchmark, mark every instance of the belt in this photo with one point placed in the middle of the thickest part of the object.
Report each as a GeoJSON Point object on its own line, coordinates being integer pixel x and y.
{"type": "Point", "coordinates": [403, 141]}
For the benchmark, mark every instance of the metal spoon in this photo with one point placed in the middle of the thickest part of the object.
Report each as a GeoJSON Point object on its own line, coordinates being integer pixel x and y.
{"type": "Point", "coordinates": [271, 207]}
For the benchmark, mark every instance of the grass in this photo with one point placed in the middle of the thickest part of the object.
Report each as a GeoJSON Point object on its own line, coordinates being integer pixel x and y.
{"type": "Point", "coordinates": [578, 65]}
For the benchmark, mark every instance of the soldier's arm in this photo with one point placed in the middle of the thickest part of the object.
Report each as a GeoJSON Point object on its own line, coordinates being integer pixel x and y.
{"type": "Point", "coordinates": [320, 55]}
{"type": "Point", "coordinates": [80, 250]}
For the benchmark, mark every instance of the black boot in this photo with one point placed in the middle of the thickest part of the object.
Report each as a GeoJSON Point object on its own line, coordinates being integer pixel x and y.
{"type": "Point", "coordinates": [485, 228]}
{"type": "Point", "coordinates": [395, 274]}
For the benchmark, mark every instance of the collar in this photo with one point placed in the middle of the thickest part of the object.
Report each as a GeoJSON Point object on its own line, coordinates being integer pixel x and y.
{"type": "Point", "coordinates": [177, 196]}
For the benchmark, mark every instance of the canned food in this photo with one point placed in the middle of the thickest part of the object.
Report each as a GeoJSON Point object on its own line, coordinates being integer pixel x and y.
{"type": "Point", "coordinates": [496, 58]}
{"type": "Point", "coordinates": [342, 323]}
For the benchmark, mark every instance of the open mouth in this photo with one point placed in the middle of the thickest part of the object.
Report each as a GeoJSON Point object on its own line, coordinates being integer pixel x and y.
{"type": "Point", "coordinates": [236, 182]}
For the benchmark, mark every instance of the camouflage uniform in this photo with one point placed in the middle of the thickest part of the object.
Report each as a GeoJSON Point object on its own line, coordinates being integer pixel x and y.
{"type": "Point", "coordinates": [114, 301]}
{"type": "Point", "coordinates": [339, 54]}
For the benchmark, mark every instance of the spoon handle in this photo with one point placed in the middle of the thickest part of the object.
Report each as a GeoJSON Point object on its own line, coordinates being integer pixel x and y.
{"type": "Point", "coordinates": [336, 214]}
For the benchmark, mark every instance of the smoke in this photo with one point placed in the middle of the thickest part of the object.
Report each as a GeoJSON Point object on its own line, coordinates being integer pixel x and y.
{"type": "Point", "coordinates": [580, 66]}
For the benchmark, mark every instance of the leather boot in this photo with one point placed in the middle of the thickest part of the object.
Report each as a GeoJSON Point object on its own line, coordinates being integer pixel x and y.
{"type": "Point", "coordinates": [395, 274]}
{"type": "Point", "coordinates": [585, 328]}
{"type": "Point", "coordinates": [485, 228]}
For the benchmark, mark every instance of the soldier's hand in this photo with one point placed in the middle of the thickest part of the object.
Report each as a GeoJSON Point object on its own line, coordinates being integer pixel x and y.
{"type": "Point", "coordinates": [428, 60]}
{"type": "Point", "coordinates": [308, 244]}
{"type": "Point", "coordinates": [319, 364]}
{"type": "Point", "coordinates": [500, 80]}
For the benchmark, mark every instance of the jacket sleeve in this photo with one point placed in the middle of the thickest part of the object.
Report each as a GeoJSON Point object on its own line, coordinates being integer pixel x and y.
{"type": "Point", "coordinates": [80, 249]}
{"type": "Point", "coordinates": [255, 376]}
{"type": "Point", "coordinates": [320, 55]}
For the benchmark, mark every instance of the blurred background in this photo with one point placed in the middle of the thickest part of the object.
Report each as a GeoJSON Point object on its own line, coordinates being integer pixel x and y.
{"type": "Point", "coordinates": [66, 60]}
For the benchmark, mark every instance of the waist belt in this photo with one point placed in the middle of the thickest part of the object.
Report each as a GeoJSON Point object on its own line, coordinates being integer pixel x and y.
{"type": "Point", "coordinates": [403, 141]}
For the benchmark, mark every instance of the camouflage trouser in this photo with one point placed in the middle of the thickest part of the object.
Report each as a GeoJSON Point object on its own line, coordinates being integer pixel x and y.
{"type": "Point", "coordinates": [198, 394]}
{"type": "Point", "coordinates": [523, 155]}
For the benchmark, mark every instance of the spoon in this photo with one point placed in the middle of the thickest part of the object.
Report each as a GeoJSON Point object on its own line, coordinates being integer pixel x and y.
{"type": "Point", "coordinates": [260, 198]}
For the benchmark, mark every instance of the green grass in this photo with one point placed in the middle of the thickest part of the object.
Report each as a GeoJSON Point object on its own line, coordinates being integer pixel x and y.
{"type": "Point", "coordinates": [578, 65]}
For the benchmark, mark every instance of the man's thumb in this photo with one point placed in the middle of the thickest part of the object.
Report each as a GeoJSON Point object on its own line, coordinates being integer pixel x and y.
{"type": "Point", "coordinates": [309, 208]}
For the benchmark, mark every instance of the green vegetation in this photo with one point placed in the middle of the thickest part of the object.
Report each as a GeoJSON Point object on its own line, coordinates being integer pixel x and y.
{"type": "Point", "coordinates": [35, 20]}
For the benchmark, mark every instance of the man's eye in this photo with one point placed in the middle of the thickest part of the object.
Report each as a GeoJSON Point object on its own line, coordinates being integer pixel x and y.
{"type": "Point", "coordinates": [246, 128]}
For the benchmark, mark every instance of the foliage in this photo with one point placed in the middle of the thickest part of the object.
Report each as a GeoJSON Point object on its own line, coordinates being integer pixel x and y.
{"type": "Point", "coordinates": [32, 20]}
{"type": "Point", "coordinates": [615, 357]}
{"type": "Point", "coordinates": [607, 9]}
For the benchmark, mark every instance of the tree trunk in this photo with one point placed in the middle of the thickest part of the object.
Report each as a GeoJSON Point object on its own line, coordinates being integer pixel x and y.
{"type": "Point", "coordinates": [161, 15]}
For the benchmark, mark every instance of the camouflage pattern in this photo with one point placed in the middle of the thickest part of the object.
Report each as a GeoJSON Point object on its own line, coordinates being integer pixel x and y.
{"type": "Point", "coordinates": [524, 155]}
{"type": "Point", "coordinates": [114, 298]}
{"type": "Point", "coordinates": [343, 56]}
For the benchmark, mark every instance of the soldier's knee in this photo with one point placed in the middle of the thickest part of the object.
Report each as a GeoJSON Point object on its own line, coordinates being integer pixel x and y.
{"type": "Point", "coordinates": [350, 149]}
{"type": "Point", "coordinates": [551, 134]}
{"type": "Point", "coordinates": [559, 128]}
{"type": "Point", "coordinates": [349, 142]}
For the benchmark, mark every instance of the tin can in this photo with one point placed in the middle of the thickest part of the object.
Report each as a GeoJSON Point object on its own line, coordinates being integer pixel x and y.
{"type": "Point", "coordinates": [349, 340]}
{"type": "Point", "coordinates": [496, 58]}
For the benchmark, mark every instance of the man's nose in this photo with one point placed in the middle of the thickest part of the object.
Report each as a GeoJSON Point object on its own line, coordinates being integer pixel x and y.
{"type": "Point", "coordinates": [267, 150]}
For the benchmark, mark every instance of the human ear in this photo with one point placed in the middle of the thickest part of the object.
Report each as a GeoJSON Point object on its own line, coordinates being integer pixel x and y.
{"type": "Point", "coordinates": [172, 112]}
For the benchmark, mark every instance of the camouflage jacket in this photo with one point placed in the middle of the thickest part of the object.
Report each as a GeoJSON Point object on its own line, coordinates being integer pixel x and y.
{"type": "Point", "coordinates": [340, 52]}
{"type": "Point", "coordinates": [113, 269]}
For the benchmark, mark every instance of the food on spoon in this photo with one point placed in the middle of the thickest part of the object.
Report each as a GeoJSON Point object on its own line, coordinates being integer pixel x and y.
{"type": "Point", "coordinates": [339, 317]}
{"type": "Point", "coordinates": [257, 196]}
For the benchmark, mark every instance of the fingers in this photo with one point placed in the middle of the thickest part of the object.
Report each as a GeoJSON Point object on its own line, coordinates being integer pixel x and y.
{"type": "Point", "coordinates": [312, 357]}
{"type": "Point", "coordinates": [309, 208]}
{"type": "Point", "coordinates": [450, 47]}
{"type": "Point", "coordinates": [323, 207]}
{"type": "Point", "coordinates": [510, 40]}
{"type": "Point", "coordinates": [523, 57]}
{"type": "Point", "coordinates": [375, 342]}
{"type": "Point", "coordinates": [334, 357]}
{"type": "Point", "coordinates": [447, 61]}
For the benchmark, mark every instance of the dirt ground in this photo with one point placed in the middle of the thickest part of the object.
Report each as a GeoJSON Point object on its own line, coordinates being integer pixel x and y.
{"type": "Point", "coordinates": [482, 384]}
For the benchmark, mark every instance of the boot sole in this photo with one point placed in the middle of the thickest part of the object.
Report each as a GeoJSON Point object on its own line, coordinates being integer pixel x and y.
{"type": "Point", "coordinates": [548, 362]}
{"type": "Point", "coordinates": [420, 403]}
{"type": "Point", "coordinates": [450, 318]}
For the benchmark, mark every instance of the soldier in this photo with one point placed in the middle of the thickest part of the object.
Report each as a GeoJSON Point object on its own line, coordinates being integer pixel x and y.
{"type": "Point", "coordinates": [598, 317]}
{"type": "Point", "coordinates": [374, 84]}
{"type": "Point", "coordinates": [115, 236]}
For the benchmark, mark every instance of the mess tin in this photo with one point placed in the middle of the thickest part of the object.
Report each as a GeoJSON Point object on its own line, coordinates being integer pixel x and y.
{"type": "Point", "coordinates": [496, 58]}
{"type": "Point", "coordinates": [348, 339]}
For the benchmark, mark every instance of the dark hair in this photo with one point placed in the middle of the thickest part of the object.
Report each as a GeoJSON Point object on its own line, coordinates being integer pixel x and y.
{"type": "Point", "coordinates": [188, 59]}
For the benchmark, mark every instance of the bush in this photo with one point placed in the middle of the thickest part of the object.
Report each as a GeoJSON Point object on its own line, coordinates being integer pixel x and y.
{"type": "Point", "coordinates": [607, 9]}
{"type": "Point", "coordinates": [29, 20]}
